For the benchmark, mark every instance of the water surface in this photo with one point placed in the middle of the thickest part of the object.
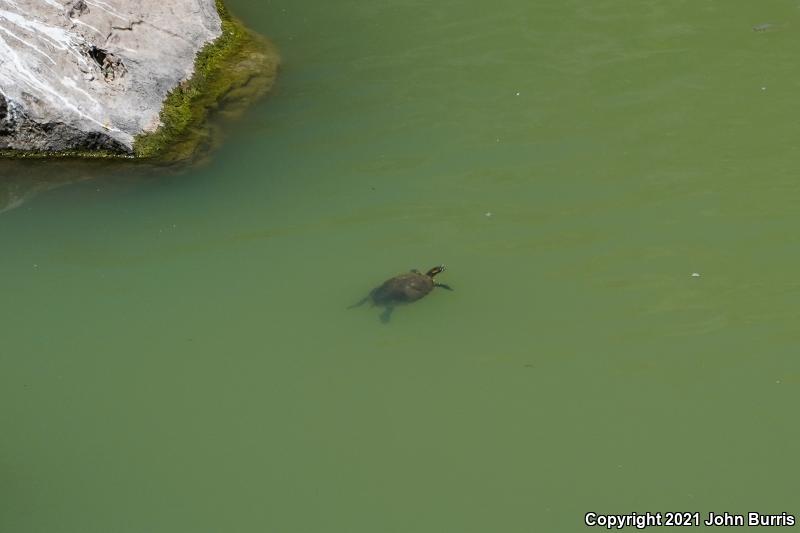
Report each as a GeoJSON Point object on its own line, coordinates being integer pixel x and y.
{"type": "Point", "coordinates": [176, 351]}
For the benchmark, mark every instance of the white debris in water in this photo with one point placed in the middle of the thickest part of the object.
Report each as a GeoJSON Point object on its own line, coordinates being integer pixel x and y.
{"type": "Point", "coordinates": [695, 274]}
{"type": "Point", "coordinates": [488, 213]}
{"type": "Point", "coordinates": [517, 94]}
{"type": "Point", "coordinates": [763, 88]}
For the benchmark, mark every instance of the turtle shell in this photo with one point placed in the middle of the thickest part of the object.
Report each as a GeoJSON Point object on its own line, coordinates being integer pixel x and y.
{"type": "Point", "coordinates": [406, 287]}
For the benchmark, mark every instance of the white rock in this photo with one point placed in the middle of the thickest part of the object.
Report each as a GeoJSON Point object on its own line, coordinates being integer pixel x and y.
{"type": "Point", "coordinates": [54, 90]}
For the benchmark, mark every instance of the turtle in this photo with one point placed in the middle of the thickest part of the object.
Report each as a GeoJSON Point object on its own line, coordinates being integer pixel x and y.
{"type": "Point", "coordinates": [402, 289]}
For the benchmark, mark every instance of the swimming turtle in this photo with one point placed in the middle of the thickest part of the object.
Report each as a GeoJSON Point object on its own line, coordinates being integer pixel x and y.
{"type": "Point", "coordinates": [401, 289]}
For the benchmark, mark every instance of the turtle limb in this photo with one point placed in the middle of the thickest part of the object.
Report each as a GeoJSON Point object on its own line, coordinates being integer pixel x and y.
{"type": "Point", "coordinates": [386, 316]}
{"type": "Point", "coordinates": [360, 302]}
{"type": "Point", "coordinates": [443, 285]}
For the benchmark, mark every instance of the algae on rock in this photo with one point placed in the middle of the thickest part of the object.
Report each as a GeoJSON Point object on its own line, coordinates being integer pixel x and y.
{"type": "Point", "coordinates": [231, 72]}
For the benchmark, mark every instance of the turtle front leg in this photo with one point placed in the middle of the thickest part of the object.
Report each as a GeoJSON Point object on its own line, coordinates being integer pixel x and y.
{"type": "Point", "coordinates": [443, 285]}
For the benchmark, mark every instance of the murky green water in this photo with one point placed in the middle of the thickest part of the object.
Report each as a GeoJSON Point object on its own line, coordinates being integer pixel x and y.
{"type": "Point", "coordinates": [176, 353]}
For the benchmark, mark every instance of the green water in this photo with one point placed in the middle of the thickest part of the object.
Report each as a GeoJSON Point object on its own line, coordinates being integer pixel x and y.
{"type": "Point", "coordinates": [177, 356]}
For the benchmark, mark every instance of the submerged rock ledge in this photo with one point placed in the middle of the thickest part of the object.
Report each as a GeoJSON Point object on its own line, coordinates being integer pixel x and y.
{"type": "Point", "coordinates": [126, 78]}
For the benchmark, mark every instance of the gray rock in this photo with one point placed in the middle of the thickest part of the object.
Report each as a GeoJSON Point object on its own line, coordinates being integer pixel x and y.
{"type": "Point", "coordinates": [92, 74]}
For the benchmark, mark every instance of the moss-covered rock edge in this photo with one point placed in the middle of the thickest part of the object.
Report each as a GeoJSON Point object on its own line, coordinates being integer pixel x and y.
{"type": "Point", "coordinates": [187, 106]}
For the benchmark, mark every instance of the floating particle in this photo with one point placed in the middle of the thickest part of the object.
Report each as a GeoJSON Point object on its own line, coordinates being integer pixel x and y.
{"type": "Point", "coordinates": [695, 274]}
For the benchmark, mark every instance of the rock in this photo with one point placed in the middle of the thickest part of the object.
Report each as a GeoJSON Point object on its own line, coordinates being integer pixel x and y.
{"type": "Point", "coordinates": [77, 9]}
{"type": "Point", "coordinates": [93, 74]}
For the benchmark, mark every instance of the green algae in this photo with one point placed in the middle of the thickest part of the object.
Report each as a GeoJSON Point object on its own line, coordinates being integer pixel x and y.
{"type": "Point", "coordinates": [237, 68]}
{"type": "Point", "coordinates": [230, 72]}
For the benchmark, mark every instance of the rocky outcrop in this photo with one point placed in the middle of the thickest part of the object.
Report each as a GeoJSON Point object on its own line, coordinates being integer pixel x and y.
{"type": "Point", "coordinates": [93, 74]}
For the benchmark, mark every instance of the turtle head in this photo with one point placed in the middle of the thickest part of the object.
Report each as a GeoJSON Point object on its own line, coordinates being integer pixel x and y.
{"type": "Point", "coordinates": [435, 270]}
